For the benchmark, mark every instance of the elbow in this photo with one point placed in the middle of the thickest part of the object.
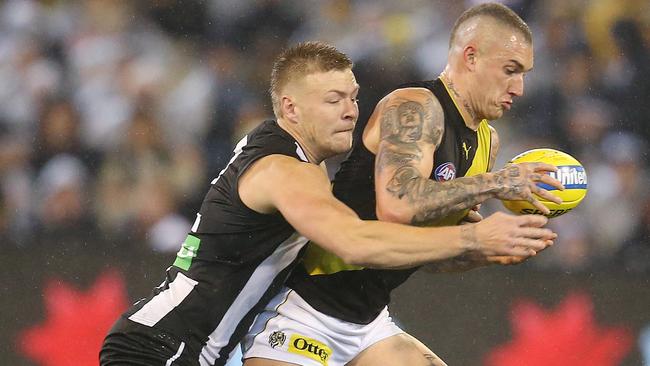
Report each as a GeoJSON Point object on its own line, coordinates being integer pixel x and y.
{"type": "Point", "coordinates": [393, 213]}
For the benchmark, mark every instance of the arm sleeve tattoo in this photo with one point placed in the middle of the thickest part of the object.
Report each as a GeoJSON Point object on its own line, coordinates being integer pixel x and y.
{"type": "Point", "coordinates": [407, 126]}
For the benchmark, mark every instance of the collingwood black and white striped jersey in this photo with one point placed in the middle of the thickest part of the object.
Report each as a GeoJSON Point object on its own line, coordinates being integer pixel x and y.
{"type": "Point", "coordinates": [233, 261]}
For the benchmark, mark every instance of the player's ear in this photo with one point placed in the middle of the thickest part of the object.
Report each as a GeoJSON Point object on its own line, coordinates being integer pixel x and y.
{"type": "Point", "coordinates": [288, 107]}
{"type": "Point", "coordinates": [469, 57]}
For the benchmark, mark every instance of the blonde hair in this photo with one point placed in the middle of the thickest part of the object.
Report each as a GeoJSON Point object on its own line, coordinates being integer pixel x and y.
{"type": "Point", "coordinates": [501, 13]}
{"type": "Point", "coordinates": [300, 60]}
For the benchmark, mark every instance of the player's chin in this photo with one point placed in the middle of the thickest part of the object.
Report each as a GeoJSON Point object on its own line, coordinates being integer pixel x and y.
{"type": "Point", "coordinates": [342, 142]}
{"type": "Point", "coordinates": [496, 114]}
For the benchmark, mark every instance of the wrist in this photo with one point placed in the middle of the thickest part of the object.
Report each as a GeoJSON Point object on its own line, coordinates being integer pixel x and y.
{"type": "Point", "coordinates": [496, 184]}
{"type": "Point", "coordinates": [469, 237]}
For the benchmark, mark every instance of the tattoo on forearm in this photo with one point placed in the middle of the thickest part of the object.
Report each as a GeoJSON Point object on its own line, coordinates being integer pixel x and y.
{"type": "Point", "coordinates": [436, 200]}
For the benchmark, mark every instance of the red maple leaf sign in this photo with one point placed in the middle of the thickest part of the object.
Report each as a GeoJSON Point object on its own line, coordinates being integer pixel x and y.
{"type": "Point", "coordinates": [76, 322]}
{"type": "Point", "coordinates": [567, 336]}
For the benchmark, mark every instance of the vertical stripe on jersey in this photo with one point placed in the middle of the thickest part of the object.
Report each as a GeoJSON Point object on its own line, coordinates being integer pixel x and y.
{"type": "Point", "coordinates": [177, 355]}
{"type": "Point", "coordinates": [258, 283]}
{"type": "Point", "coordinates": [164, 302]}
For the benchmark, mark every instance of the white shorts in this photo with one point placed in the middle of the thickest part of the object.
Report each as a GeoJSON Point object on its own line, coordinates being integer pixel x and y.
{"type": "Point", "coordinates": [290, 330]}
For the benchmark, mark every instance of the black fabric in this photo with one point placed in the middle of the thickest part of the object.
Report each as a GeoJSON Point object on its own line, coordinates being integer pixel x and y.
{"type": "Point", "coordinates": [358, 296]}
{"type": "Point", "coordinates": [233, 241]}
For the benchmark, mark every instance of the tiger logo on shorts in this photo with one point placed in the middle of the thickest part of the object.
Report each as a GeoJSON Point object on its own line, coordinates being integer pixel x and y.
{"type": "Point", "coordinates": [277, 338]}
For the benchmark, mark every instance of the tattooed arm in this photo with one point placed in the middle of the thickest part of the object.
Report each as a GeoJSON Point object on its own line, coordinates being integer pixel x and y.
{"type": "Point", "coordinates": [411, 123]}
{"type": "Point", "coordinates": [468, 261]}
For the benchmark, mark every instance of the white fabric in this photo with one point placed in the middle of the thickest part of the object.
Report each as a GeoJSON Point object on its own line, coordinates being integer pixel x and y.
{"type": "Point", "coordinates": [288, 318]}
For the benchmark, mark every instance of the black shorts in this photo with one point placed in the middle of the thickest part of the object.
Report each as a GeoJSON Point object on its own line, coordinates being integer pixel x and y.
{"type": "Point", "coordinates": [129, 343]}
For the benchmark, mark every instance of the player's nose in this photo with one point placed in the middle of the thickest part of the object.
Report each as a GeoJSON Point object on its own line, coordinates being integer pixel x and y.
{"type": "Point", "coordinates": [516, 87]}
{"type": "Point", "coordinates": [351, 111]}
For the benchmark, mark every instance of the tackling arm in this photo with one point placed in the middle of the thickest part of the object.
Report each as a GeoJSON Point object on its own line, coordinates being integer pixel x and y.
{"type": "Point", "coordinates": [300, 191]}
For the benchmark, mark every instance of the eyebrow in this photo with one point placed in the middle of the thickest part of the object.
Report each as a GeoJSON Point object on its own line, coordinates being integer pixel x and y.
{"type": "Point", "coordinates": [519, 65]}
{"type": "Point", "coordinates": [342, 93]}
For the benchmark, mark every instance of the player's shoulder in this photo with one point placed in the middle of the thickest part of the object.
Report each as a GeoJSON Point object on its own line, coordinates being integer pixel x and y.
{"type": "Point", "coordinates": [279, 167]}
{"type": "Point", "coordinates": [411, 93]}
{"type": "Point", "coordinates": [269, 134]}
{"type": "Point", "coordinates": [416, 97]}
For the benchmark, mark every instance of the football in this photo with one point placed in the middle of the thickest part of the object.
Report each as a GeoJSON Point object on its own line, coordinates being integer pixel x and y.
{"type": "Point", "coordinates": [570, 173]}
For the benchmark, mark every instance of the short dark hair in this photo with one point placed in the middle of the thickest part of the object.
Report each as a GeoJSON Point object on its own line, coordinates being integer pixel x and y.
{"type": "Point", "coordinates": [499, 12]}
{"type": "Point", "coordinates": [303, 59]}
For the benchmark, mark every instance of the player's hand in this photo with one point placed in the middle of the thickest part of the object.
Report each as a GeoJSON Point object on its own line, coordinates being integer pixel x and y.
{"type": "Point", "coordinates": [507, 235]}
{"type": "Point", "coordinates": [472, 216]}
{"type": "Point", "coordinates": [506, 260]}
{"type": "Point", "coordinates": [518, 182]}
{"type": "Point", "coordinates": [509, 260]}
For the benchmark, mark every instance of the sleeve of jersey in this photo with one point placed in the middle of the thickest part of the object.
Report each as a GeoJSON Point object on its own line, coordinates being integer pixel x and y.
{"type": "Point", "coordinates": [265, 145]}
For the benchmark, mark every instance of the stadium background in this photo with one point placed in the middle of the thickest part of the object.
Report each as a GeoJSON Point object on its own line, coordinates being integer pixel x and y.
{"type": "Point", "coordinates": [115, 115]}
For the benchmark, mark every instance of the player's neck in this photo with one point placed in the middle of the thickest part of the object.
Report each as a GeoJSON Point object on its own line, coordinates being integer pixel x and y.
{"type": "Point", "coordinates": [302, 141]}
{"type": "Point", "coordinates": [458, 93]}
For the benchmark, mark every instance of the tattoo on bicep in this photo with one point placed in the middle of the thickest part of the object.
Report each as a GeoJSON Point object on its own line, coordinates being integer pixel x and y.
{"type": "Point", "coordinates": [388, 123]}
{"type": "Point", "coordinates": [403, 127]}
{"type": "Point", "coordinates": [402, 182]}
{"type": "Point", "coordinates": [410, 120]}
{"type": "Point", "coordinates": [434, 121]}
{"type": "Point", "coordinates": [388, 157]}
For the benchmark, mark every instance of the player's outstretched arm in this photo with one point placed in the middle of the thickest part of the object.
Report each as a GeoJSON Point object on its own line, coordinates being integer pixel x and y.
{"type": "Point", "coordinates": [301, 193]}
{"type": "Point", "coordinates": [411, 124]}
{"type": "Point", "coordinates": [470, 261]}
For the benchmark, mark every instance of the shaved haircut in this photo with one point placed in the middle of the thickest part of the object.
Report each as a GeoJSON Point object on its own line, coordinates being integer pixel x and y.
{"type": "Point", "coordinates": [498, 12]}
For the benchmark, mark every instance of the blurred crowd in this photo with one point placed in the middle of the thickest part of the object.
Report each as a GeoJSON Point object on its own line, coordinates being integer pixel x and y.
{"type": "Point", "coordinates": [115, 115]}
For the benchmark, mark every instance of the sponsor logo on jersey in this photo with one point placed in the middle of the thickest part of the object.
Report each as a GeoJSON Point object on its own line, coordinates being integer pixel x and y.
{"type": "Point", "coordinates": [466, 149]}
{"type": "Point", "coordinates": [445, 172]}
{"type": "Point", "coordinates": [277, 338]}
{"type": "Point", "coordinates": [311, 348]}
{"type": "Point", "coordinates": [188, 251]}
{"type": "Point", "coordinates": [571, 177]}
